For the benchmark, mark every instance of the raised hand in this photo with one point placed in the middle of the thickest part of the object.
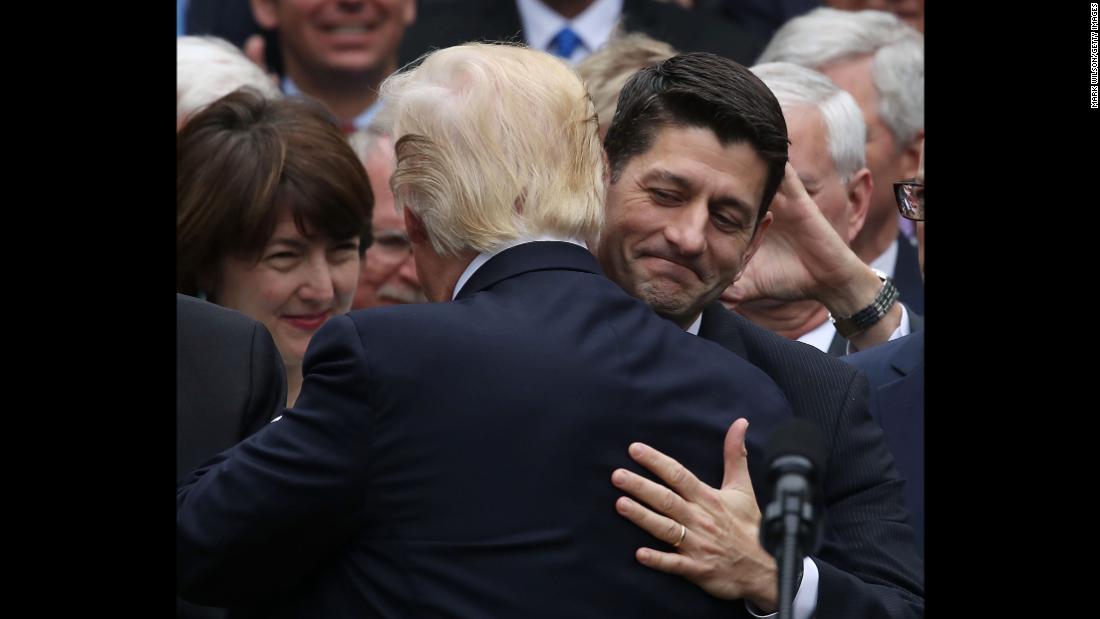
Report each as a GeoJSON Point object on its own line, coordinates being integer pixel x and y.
{"type": "Point", "coordinates": [802, 255]}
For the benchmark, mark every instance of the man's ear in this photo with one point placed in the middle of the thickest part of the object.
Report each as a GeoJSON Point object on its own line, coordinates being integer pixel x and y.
{"type": "Point", "coordinates": [859, 201]}
{"type": "Point", "coordinates": [265, 13]}
{"type": "Point", "coordinates": [755, 242]}
{"type": "Point", "coordinates": [409, 14]}
{"type": "Point", "coordinates": [414, 227]}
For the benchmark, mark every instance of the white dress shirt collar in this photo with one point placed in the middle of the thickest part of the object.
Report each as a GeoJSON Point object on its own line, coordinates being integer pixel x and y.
{"type": "Point", "coordinates": [694, 327]}
{"type": "Point", "coordinates": [888, 260]}
{"type": "Point", "coordinates": [593, 26]}
{"type": "Point", "coordinates": [821, 336]}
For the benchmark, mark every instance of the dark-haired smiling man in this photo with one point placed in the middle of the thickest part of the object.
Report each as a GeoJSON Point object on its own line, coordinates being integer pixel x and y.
{"type": "Point", "coordinates": [698, 150]}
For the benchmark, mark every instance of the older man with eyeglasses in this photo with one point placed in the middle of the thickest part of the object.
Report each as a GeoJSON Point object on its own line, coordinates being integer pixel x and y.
{"type": "Point", "coordinates": [387, 273]}
{"type": "Point", "coordinates": [910, 197]}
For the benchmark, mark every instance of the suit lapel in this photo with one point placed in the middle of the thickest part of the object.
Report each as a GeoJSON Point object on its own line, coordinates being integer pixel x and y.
{"type": "Point", "coordinates": [909, 355]}
{"type": "Point", "coordinates": [907, 275]}
{"type": "Point", "coordinates": [839, 346]}
{"type": "Point", "coordinates": [916, 321]}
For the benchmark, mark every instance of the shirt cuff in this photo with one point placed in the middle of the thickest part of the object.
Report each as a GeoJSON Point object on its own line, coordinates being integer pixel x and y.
{"type": "Point", "coordinates": [902, 330]}
{"type": "Point", "coordinates": [805, 599]}
{"type": "Point", "coordinates": [903, 327]}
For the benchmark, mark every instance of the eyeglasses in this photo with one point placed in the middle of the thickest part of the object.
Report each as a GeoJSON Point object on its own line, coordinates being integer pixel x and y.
{"type": "Point", "coordinates": [392, 245]}
{"type": "Point", "coordinates": [910, 197]}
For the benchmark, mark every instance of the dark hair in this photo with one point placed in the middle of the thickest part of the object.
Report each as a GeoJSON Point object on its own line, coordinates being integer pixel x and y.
{"type": "Point", "coordinates": [244, 158]}
{"type": "Point", "coordinates": [699, 89]}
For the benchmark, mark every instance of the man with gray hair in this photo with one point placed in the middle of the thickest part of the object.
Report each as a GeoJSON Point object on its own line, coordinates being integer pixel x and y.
{"type": "Point", "coordinates": [451, 458]}
{"type": "Point", "coordinates": [794, 293]}
{"type": "Point", "coordinates": [880, 61]}
{"type": "Point", "coordinates": [387, 273]}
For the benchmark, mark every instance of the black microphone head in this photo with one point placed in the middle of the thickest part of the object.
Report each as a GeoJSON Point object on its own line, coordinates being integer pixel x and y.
{"type": "Point", "coordinates": [796, 455]}
{"type": "Point", "coordinates": [796, 437]}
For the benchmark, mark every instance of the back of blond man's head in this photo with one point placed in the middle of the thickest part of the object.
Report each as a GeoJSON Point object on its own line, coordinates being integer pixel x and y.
{"type": "Point", "coordinates": [495, 142]}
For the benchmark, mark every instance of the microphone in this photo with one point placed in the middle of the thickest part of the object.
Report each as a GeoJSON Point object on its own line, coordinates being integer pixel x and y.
{"type": "Point", "coordinates": [792, 521]}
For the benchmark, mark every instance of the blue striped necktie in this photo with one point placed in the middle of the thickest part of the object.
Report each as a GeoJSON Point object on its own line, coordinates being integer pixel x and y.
{"type": "Point", "coordinates": [565, 42]}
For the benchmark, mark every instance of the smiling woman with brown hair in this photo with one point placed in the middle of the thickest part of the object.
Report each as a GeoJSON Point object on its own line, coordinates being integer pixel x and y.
{"type": "Point", "coordinates": [273, 214]}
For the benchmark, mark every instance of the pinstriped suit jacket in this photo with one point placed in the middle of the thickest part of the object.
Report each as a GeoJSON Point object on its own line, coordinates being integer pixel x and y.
{"type": "Point", "coordinates": [868, 562]}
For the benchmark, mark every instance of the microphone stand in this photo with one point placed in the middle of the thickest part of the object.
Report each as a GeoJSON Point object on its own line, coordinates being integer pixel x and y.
{"type": "Point", "coordinates": [791, 526]}
{"type": "Point", "coordinates": [789, 532]}
{"type": "Point", "coordinates": [788, 559]}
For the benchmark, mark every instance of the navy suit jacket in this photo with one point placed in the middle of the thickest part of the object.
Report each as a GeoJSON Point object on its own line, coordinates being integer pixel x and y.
{"type": "Point", "coordinates": [896, 371]}
{"type": "Point", "coordinates": [454, 459]}
{"type": "Point", "coordinates": [868, 565]}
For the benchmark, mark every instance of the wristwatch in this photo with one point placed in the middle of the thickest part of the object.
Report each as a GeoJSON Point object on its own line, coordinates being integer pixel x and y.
{"type": "Point", "coordinates": [866, 318]}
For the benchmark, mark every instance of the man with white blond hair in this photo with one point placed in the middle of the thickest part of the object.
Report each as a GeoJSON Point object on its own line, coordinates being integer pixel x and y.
{"type": "Point", "coordinates": [452, 458]}
{"type": "Point", "coordinates": [879, 60]}
{"type": "Point", "coordinates": [207, 69]}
